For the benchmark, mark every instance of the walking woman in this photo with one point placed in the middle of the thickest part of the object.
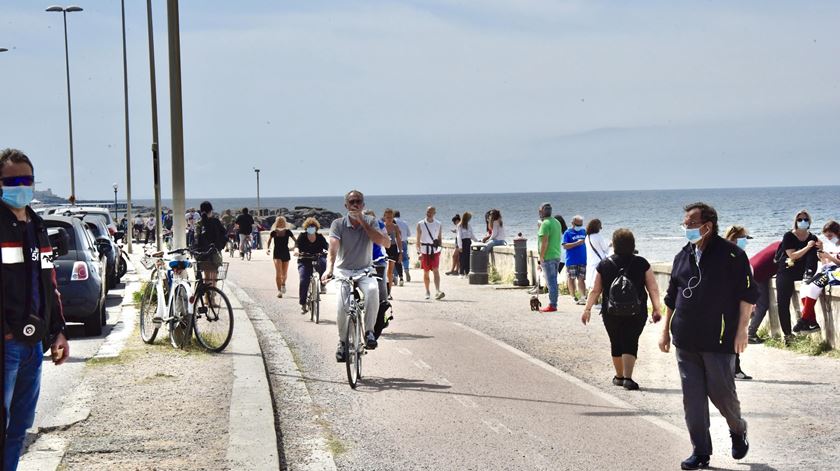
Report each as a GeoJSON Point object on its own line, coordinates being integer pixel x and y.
{"type": "Point", "coordinates": [597, 249]}
{"type": "Point", "coordinates": [310, 245]}
{"type": "Point", "coordinates": [496, 231]}
{"type": "Point", "coordinates": [394, 252]}
{"type": "Point", "coordinates": [280, 235]}
{"type": "Point", "coordinates": [624, 328]}
{"type": "Point", "coordinates": [463, 238]}
{"type": "Point", "coordinates": [456, 254]}
{"type": "Point", "coordinates": [738, 235]}
{"type": "Point", "coordinates": [796, 255]}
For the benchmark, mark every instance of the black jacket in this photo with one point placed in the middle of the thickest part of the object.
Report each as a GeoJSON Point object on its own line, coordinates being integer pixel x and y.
{"type": "Point", "coordinates": [707, 320]}
{"type": "Point", "coordinates": [15, 278]}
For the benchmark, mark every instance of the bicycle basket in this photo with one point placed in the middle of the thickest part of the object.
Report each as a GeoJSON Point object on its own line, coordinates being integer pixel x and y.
{"type": "Point", "coordinates": [212, 272]}
{"type": "Point", "coordinates": [147, 262]}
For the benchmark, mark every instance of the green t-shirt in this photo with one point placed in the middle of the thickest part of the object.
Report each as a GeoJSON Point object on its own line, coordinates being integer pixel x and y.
{"type": "Point", "coordinates": [550, 228]}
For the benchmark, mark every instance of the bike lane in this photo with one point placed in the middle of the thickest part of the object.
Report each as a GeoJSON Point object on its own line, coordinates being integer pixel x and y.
{"type": "Point", "coordinates": [439, 394]}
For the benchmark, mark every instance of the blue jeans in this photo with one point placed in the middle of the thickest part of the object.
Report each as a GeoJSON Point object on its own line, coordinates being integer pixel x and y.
{"type": "Point", "coordinates": [405, 261]}
{"type": "Point", "coordinates": [493, 243]}
{"type": "Point", "coordinates": [22, 385]}
{"type": "Point", "coordinates": [551, 268]}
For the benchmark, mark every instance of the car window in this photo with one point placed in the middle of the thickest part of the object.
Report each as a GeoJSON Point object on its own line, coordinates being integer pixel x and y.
{"type": "Point", "coordinates": [95, 229]}
{"type": "Point", "coordinates": [89, 238]}
{"type": "Point", "coordinates": [104, 218]}
{"type": "Point", "coordinates": [71, 233]}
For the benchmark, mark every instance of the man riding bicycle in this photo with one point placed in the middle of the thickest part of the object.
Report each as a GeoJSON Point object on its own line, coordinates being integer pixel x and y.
{"type": "Point", "coordinates": [245, 224]}
{"type": "Point", "coordinates": [351, 241]}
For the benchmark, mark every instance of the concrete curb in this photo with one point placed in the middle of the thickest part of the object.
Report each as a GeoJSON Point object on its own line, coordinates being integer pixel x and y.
{"type": "Point", "coordinates": [303, 451]}
{"type": "Point", "coordinates": [252, 442]}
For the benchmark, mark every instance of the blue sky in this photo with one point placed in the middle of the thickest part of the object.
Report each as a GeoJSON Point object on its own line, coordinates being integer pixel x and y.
{"type": "Point", "coordinates": [440, 96]}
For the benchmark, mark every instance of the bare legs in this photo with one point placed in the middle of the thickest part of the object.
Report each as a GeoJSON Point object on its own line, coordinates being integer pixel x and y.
{"type": "Point", "coordinates": [624, 365]}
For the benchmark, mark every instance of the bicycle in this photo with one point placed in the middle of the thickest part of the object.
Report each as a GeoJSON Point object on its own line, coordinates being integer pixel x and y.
{"type": "Point", "coordinates": [246, 253]}
{"type": "Point", "coordinates": [169, 283]}
{"type": "Point", "coordinates": [313, 293]}
{"type": "Point", "coordinates": [209, 311]}
{"type": "Point", "coordinates": [355, 326]}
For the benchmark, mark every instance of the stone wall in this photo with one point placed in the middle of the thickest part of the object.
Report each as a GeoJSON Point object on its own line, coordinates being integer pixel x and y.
{"type": "Point", "coordinates": [828, 309]}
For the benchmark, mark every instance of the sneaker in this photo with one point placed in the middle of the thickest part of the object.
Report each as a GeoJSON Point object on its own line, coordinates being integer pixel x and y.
{"type": "Point", "coordinates": [581, 302]}
{"type": "Point", "coordinates": [549, 308]}
{"type": "Point", "coordinates": [800, 324]}
{"type": "Point", "coordinates": [630, 385]}
{"type": "Point", "coordinates": [303, 309]}
{"type": "Point", "coordinates": [534, 290]}
{"type": "Point", "coordinates": [461, 277]}
{"type": "Point", "coordinates": [755, 340]}
{"type": "Point", "coordinates": [283, 289]}
{"type": "Point", "coordinates": [810, 328]}
{"type": "Point", "coordinates": [279, 294]}
{"type": "Point", "coordinates": [789, 338]}
{"type": "Point", "coordinates": [428, 296]}
{"type": "Point", "coordinates": [370, 340]}
{"type": "Point", "coordinates": [742, 376]}
{"type": "Point", "coordinates": [400, 283]}
{"type": "Point", "coordinates": [618, 381]}
{"type": "Point", "coordinates": [407, 276]}
{"type": "Point", "coordinates": [390, 298]}
{"type": "Point", "coordinates": [740, 445]}
{"type": "Point", "coordinates": [808, 276]}
{"type": "Point", "coordinates": [440, 295]}
{"type": "Point", "coordinates": [341, 352]}
{"type": "Point", "coordinates": [695, 462]}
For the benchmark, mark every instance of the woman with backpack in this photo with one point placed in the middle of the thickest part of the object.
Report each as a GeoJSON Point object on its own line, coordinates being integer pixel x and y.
{"type": "Point", "coordinates": [209, 234]}
{"type": "Point", "coordinates": [626, 281]}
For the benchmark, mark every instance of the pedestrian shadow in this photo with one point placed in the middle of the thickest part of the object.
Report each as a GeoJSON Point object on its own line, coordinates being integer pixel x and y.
{"type": "Point", "coordinates": [622, 413]}
{"type": "Point", "coordinates": [746, 467]}
{"type": "Point", "coordinates": [405, 336]}
{"type": "Point", "coordinates": [786, 382]}
{"type": "Point", "coordinates": [402, 384]}
{"type": "Point", "coordinates": [662, 390]}
{"type": "Point", "coordinates": [325, 321]}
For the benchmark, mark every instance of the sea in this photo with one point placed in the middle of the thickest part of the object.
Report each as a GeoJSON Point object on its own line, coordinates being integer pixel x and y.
{"type": "Point", "coordinates": [654, 216]}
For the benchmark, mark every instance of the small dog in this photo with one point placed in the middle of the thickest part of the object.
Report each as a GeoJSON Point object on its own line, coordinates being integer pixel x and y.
{"type": "Point", "coordinates": [535, 303]}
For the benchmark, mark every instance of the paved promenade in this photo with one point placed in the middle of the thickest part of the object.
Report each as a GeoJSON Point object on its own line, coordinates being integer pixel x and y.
{"type": "Point", "coordinates": [476, 381]}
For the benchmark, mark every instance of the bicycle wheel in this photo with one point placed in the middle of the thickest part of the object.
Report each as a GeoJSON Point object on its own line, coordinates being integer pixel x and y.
{"type": "Point", "coordinates": [310, 302]}
{"type": "Point", "coordinates": [352, 357]}
{"type": "Point", "coordinates": [316, 305]}
{"type": "Point", "coordinates": [248, 253]}
{"type": "Point", "coordinates": [148, 309]}
{"type": "Point", "coordinates": [360, 333]}
{"type": "Point", "coordinates": [180, 326]}
{"type": "Point", "coordinates": [213, 323]}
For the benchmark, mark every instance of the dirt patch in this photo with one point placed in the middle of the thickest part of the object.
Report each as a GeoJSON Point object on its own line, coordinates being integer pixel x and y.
{"type": "Point", "coordinates": [154, 407]}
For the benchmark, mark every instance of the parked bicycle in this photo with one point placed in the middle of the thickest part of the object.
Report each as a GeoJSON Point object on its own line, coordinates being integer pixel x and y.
{"type": "Point", "coordinates": [355, 326]}
{"type": "Point", "coordinates": [205, 310]}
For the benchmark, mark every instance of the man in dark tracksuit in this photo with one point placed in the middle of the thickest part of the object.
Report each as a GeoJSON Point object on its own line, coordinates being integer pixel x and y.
{"type": "Point", "coordinates": [30, 305]}
{"type": "Point", "coordinates": [709, 300]}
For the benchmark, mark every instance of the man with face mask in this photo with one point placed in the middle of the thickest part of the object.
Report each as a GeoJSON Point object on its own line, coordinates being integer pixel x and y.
{"type": "Point", "coordinates": [710, 296]}
{"type": "Point", "coordinates": [30, 305]}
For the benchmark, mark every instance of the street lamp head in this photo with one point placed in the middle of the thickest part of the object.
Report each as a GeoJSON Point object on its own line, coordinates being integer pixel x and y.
{"type": "Point", "coordinates": [73, 8]}
{"type": "Point", "coordinates": [115, 187]}
{"type": "Point", "coordinates": [3, 49]}
{"type": "Point", "coordinates": [55, 8]}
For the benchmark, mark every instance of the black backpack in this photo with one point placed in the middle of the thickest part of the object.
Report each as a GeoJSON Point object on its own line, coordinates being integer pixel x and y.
{"type": "Point", "coordinates": [623, 299]}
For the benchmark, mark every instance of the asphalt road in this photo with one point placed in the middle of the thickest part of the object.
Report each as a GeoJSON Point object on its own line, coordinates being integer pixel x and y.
{"type": "Point", "coordinates": [440, 395]}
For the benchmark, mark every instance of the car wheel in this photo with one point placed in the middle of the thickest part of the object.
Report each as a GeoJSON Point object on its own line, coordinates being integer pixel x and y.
{"type": "Point", "coordinates": [93, 326]}
{"type": "Point", "coordinates": [104, 314]}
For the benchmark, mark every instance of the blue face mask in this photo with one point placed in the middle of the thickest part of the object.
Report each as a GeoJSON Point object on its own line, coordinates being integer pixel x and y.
{"type": "Point", "coordinates": [742, 242]}
{"type": "Point", "coordinates": [804, 225]}
{"type": "Point", "coordinates": [18, 196]}
{"type": "Point", "coordinates": [693, 235]}
{"type": "Point", "coordinates": [311, 230]}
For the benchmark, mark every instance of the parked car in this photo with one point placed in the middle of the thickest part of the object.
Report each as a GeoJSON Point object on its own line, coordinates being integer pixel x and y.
{"type": "Point", "coordinates": [107, 247]}
{"type": "Point", "coordinates": [67, 210]}
{"type": "Point", "coordinates": [80, 274]}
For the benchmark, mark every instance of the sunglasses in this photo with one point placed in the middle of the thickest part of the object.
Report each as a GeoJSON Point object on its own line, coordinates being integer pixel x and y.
{"type": "Point", "coordinates": [803, 220]}
{"type": "Point", "coordinates": [24, 180]}
{"type": "Point", "coordinates": [355, 202]}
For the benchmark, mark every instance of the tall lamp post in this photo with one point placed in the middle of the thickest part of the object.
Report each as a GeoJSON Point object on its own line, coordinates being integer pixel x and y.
{"type": "Point", "coordinates": [127, 140]}
{"type": "Point", "coordinates": [116, 215]}
{"type": "Point", "coordinates": [65, 11]}
{"type": "Point", "coordinates": [257, 171]}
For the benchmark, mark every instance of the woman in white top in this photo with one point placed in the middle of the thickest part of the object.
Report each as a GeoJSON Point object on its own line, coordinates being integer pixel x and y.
{"type": "Point", "coordinates": [497, 230]}
{"type": "Point", "coordinates": [463, 237]}
{"type": "Point", "coordinates": [456, 254]}
{"type": "Point", "coordinates": [597, 249]}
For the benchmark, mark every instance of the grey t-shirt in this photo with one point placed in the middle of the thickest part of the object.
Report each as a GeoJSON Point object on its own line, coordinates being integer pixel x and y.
{"type": "Point", "coordinates": [356, 248]}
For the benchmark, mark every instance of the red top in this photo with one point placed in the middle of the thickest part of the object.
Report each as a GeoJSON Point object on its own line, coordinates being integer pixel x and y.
{"type": "Point", "coordinates": [763, 265]}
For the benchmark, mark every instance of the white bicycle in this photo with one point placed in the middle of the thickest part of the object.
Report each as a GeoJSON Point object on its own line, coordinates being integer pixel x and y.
{"type": "Point", "coordinates": [169, 282]}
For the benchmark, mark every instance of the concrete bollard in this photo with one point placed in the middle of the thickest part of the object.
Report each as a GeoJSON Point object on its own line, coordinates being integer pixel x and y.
{"type": "Point", "coordinates": [520, 257]}
{"type": "Point", "coordinates": [478, 265]}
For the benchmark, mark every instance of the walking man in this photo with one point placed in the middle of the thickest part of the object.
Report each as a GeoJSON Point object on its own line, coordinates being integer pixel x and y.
{"type": "Point", "coordinates": [428, 247]}
{"type": "Point", "coordinates": [29, 302]}
{"type": "Point", "coordinates": [709, 299]}
{"type": "Point", "coordinates": [573, 240]}
{"type": "Point", "coordinates": [549, 237]}
{"type": "Point", "coordinates": [405, 233]}
{"type": "Point", "coordinates": [351, 243]}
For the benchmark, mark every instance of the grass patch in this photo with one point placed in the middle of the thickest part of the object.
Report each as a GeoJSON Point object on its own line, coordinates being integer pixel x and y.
{"type": "Point", "coordinates": [157, 377]}
{"type": "Point", "coordinates": [137, 296]}
{"type": "Point", "coordinates": [493, 275]}
{"type": "Point", "coordinates": [811, 345]}
{"type": "Point", "coordinates": [336, 446]}
{"type": "Point", "coordinates": [126, 356]}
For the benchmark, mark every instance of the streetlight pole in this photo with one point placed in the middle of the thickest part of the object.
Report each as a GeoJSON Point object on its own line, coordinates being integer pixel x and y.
{"type": "Point", "coordinates": [153, 82]}
{"type": "Point", "coordinates": [65, 11]}
{"type": "Point", "coordinates": [257, 171]}
{"type": "Point", "coordinates": [116, 214]}
{"type": "Point", "coordinates": [176, 122]}
{"type": "Point", "coordinates": [127, 140]}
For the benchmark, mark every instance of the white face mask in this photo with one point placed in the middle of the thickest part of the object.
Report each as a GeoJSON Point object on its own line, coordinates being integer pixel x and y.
{"type": "Point", "coordinates": [833, 240]}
